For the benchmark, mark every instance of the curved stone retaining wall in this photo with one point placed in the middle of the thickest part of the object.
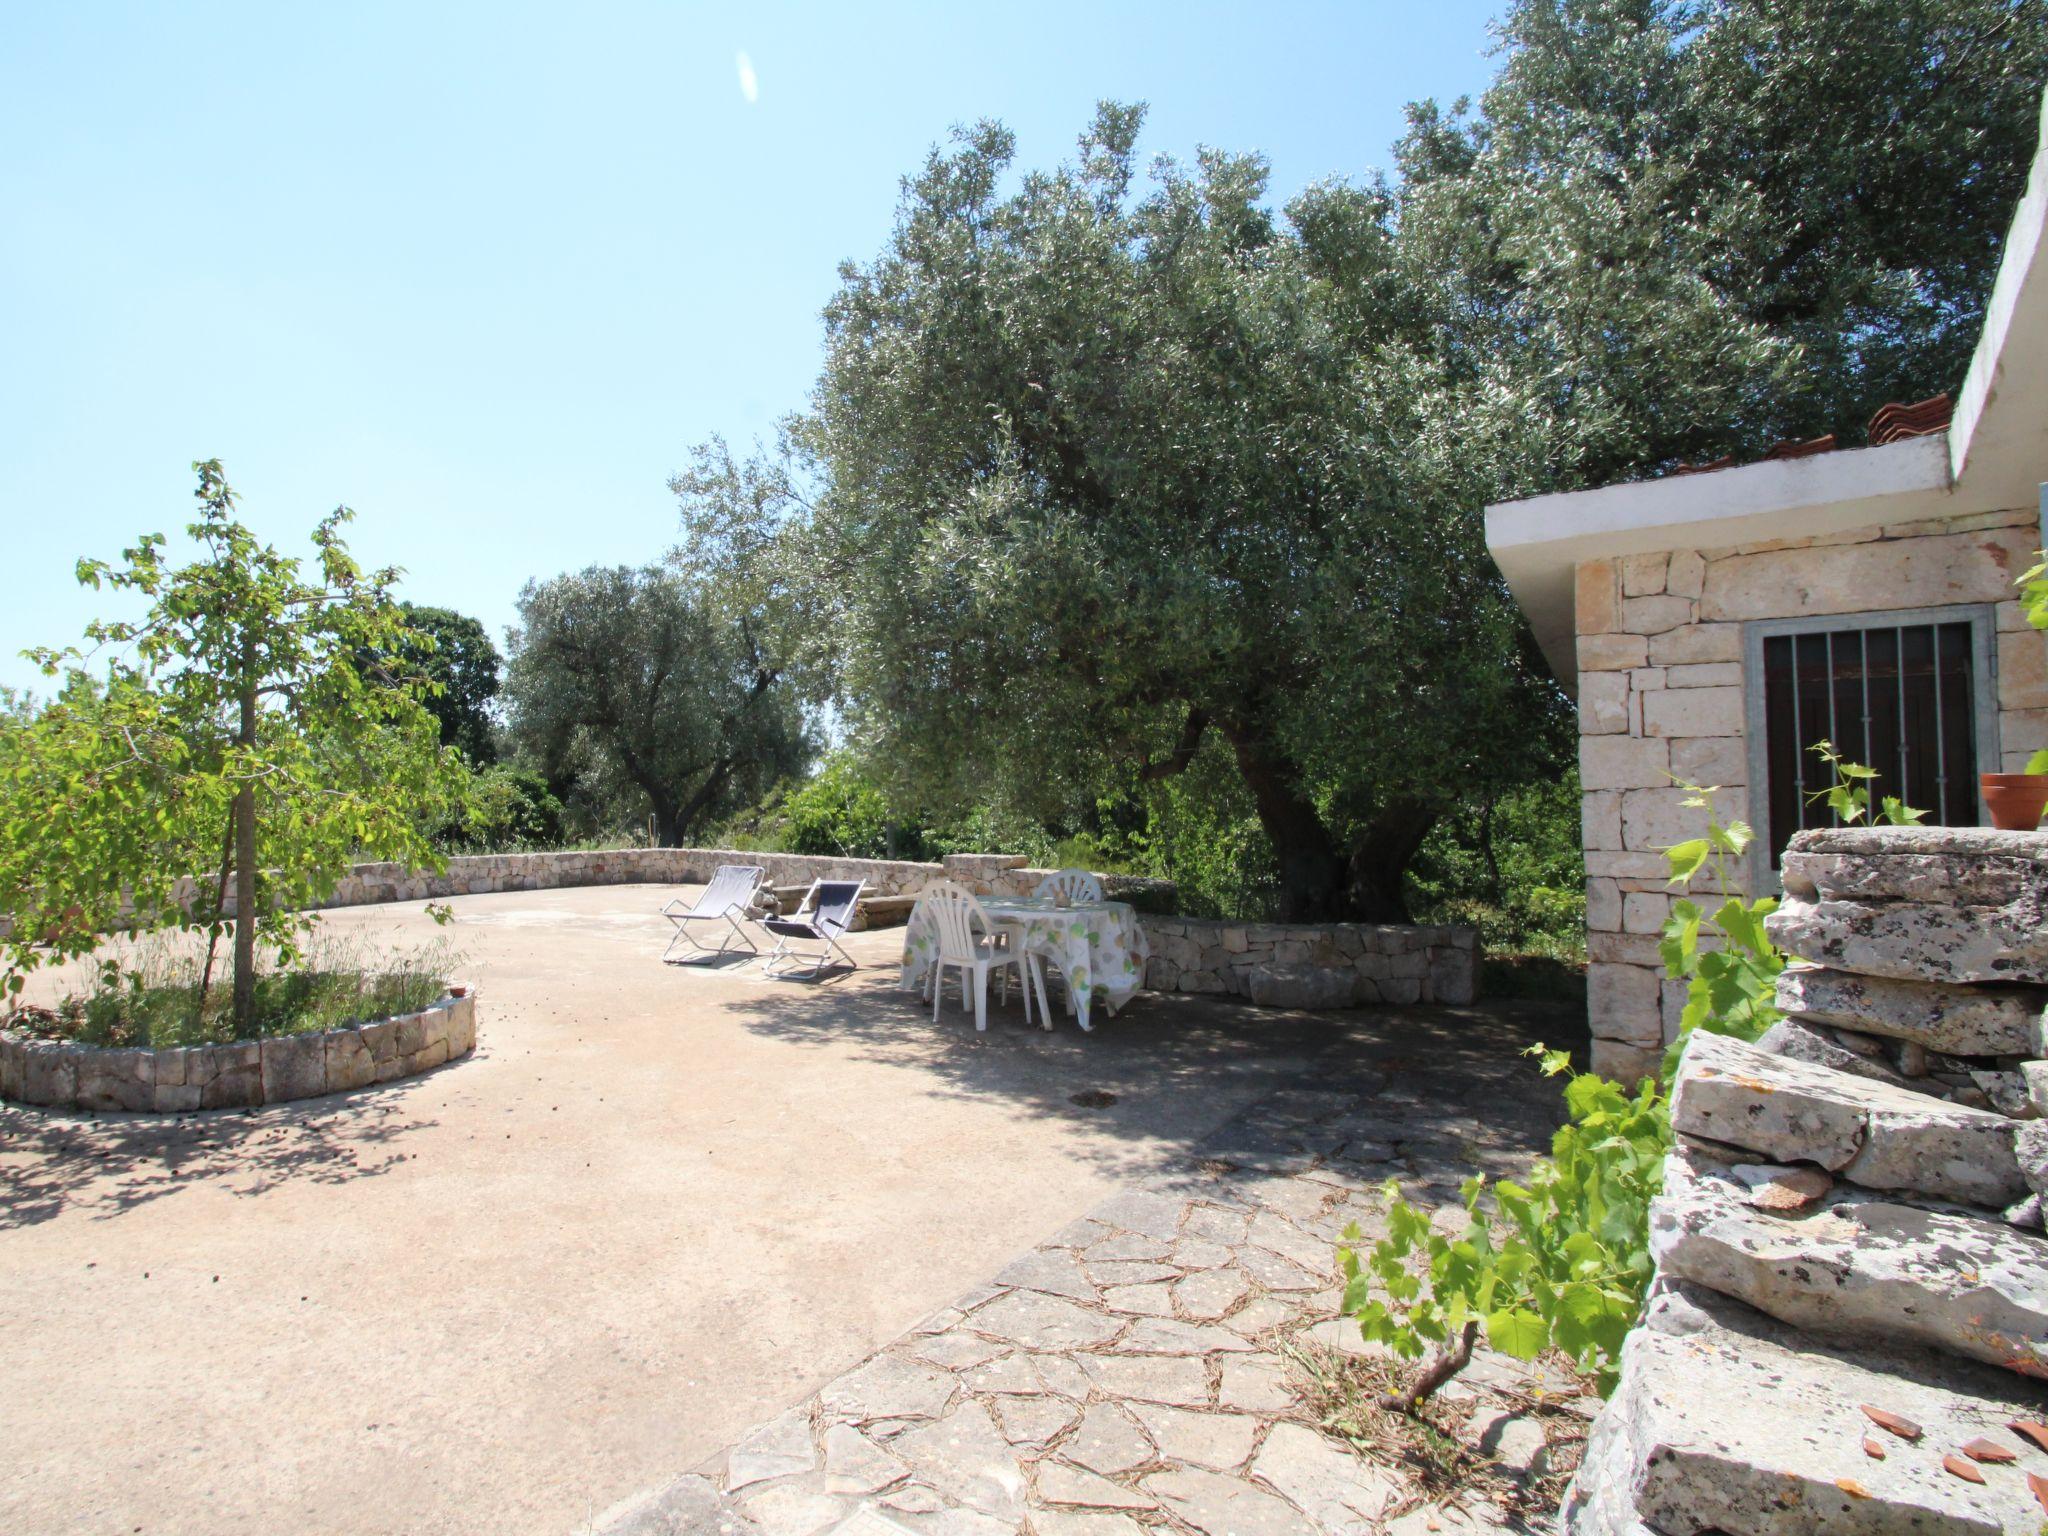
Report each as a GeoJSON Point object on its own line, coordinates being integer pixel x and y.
{"type": "Point", "coordinates": [474, 875]}
{"type": "Point", "coordinates": [237, 1075]}
{"type": "Point", "coordinates": [1282, 965]}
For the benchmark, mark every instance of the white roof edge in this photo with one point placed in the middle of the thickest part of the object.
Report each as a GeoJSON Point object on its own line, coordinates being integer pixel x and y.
{"type": "Point", "coordinates": [2015, 271]}
{"type": "Point", "coordinates": [1539, 543]}
{"type": "Point", "coordinates": [1726, 506]}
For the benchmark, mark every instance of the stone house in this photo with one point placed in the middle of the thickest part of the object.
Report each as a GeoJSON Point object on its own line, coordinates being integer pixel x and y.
{"type": "Point", "coordinates": [1714, 623]}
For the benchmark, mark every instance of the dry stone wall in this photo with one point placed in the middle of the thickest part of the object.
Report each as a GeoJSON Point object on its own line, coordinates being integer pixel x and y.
{"type": "Point", "coordinates": [1339, 965]}
{"type": "Point", "coordinates": [1662, 698]}
{"type": "Point", "coordinates": [1303, 965]}
{"type": "Point", "coordinates": [480, 874]}
{"type": "Point", "coordinates": [1850, 1233]}
{"type": "Point", "coordinates": [237, 1075]}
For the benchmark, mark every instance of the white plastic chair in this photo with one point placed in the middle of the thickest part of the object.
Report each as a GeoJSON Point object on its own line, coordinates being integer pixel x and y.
{"type": "Point", "coordinates": [956, 916]}
{"type": "Point", "coordinates": [1078, 886]}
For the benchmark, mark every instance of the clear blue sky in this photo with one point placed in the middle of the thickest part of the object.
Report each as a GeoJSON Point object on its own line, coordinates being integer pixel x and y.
{"type": "Point", "coordinates": [486, 273]}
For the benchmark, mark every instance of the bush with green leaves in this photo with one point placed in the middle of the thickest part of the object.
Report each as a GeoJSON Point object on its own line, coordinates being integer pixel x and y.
{"type": "Point", "coordinates": [2033, 585]}
{"type": "Point", "coordinates": [840, 811]}
{"type": "Point", "coordinates": [1508, 863]}
{"type": "Point", "coordinates": [1563, 1265]}
{"type": "Point", "coordinates": [1727, 961]}
{"type": "Point", "coordinates": [510, 808]}
{"type": "Point", "coordinates": [1563, 1261]}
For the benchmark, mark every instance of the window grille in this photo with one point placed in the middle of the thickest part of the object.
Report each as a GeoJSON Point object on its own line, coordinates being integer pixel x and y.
{"type": "Point", "coordinates": [1908, 694]}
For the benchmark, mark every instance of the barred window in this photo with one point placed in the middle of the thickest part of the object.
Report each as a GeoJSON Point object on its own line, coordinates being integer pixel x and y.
{"type": "Point", "coordinates": [1909, 694]}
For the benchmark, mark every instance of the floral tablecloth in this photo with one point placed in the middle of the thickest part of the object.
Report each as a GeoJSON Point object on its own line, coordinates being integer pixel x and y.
{"type": "Point", "coordinates": [1098, 947]}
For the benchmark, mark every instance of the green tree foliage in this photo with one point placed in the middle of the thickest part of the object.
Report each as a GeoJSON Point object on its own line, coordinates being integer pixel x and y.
{"type": "Point", "coordinates": [1107, 470]}
{"type": "Point", "coordinates": [840, 811]}
{"type": "Point", "coordinates": [649, 693]}
{"type": "Point", "coordinates": [1510, 865]}
{"type": "Point", "coordinates": [464, 667]}
{"type": "Point", "coordinates": [511, 807]}
{"type": "Point", "coordinates": [236, 726]}
{"type": "Point", "coordinates": [1673, 229]}
{"type": "Point", "coordinates": [1103, 470]}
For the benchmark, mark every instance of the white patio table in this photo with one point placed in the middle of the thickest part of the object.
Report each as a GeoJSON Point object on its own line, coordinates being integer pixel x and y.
{"type": "Point", "coordinates": [1098, 946]}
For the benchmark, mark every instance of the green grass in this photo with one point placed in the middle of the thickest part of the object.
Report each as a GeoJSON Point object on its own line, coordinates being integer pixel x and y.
{"type": "Point", "coordinates": [152, 998]}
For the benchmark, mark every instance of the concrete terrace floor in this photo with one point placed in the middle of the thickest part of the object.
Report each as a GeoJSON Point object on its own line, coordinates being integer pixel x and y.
{"type": "Point", "coordinates": [656, 1207]}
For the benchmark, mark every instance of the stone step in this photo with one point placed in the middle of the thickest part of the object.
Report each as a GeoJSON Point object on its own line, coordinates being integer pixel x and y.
{"type": "Point", "coordinates": [1817, 1045]}
{"type": "Point", "coordinates": [1914, 941]}
{"type": "Point", "coordinates": [1856, 1268]}
{"type": "Point", "coordinates": [1960, 1020]}
{"type": "Point", "coordinates": [1725, 1421]}
{"type": "Point", "coordinates": [1940, 866]}
{"type": "Point", "coordinates": [1872, 1133]}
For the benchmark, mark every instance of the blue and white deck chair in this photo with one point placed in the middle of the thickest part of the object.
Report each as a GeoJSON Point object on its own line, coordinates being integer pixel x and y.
{"type": "Point", "coordinates": [826, 913]}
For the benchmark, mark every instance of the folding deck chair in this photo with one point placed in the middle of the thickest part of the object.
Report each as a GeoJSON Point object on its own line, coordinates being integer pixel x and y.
{"type": "Point", "coordinates": [825, 913]}
{"type": "Point", "coordinates": [726, 899]}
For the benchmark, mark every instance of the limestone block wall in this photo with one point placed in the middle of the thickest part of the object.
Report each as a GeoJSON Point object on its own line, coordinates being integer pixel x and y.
{"type": "Point", "coordinates": [237, 1075]}
{"type": "Point", "coordinates": [1307, 965]}
{"type": "Point", "coordinates": [1849, 1245]}
{"type": "Point", "coordinates": [1663, 697]}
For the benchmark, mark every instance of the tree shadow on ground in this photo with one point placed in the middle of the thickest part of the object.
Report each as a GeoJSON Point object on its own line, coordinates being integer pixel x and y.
{"type": "Point", "coordinates": [1171, 1068]}
{"type": "Point", "coordinates": [53, 1162]}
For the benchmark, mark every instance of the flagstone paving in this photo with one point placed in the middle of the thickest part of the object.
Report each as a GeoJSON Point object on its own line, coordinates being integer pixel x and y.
{"type": "Point", "coordinates": [1130, 1375]}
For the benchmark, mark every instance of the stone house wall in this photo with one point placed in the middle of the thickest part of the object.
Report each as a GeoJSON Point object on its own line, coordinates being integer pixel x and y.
{"type": "Point", "coordinates": [1663, 697]}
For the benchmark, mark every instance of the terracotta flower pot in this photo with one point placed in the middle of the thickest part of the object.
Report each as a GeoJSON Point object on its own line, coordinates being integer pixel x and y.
{"type": "Point", "coordinates": [2015, 799]}
{"type": "Point", "coordinates": [458, 991]}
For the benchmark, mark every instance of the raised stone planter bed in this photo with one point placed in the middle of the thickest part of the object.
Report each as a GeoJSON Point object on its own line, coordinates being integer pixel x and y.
{"type": "Point", "coordinates": [240, 1074]}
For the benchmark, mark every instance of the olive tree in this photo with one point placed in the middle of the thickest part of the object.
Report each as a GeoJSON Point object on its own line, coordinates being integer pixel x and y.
{"type": "Point", "coordinates": [236, 734]}
{"type": "Point", "coordinates": [1676, 229]}
{"type": "Point", "coordinates": [1104, 471]}
{"type": "Point", "coordinates": [641, 679]}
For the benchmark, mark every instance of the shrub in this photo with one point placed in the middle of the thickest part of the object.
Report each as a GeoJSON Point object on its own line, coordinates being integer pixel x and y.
{"type": "Point", "coordinates": [1509, 866]}
{"type": "Point", "coordinates": [511, 808]}
{"type": "Point", "coordinates": [1570, 1263]}
{"type": "Point", "coordinates": [154, 998]}
{"type": "Point", "coordinates": [1569, 1270]}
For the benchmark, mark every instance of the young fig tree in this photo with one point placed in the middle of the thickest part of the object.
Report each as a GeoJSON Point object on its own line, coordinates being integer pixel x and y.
{"type": "Point", "coordinates": [247, 740]}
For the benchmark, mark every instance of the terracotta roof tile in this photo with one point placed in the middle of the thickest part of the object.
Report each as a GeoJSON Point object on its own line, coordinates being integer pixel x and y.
{"type": "Point", "coordinates": [1895, 422]}
{"type": "Point", "coordinates": [1891, 424]}
{"type": "Point", "coordinates": [1793, 448]}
